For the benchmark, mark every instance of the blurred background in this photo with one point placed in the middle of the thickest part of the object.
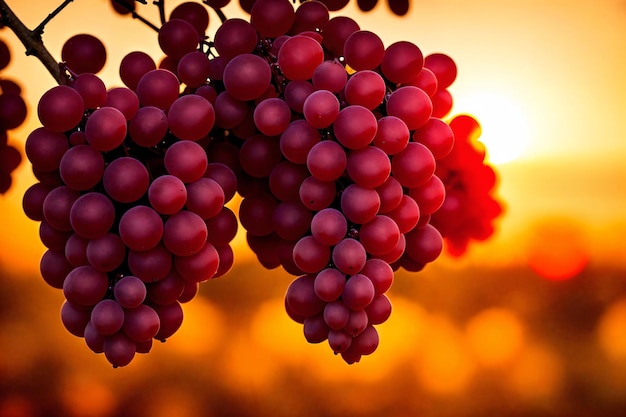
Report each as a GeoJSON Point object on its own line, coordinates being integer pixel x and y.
{"type": "Point", "coordinates": [531, 322]}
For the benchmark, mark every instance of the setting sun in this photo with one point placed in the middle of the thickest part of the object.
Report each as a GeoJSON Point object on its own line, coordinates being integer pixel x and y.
{"type": "Point", "coordinates": [424, 274]}
{"type": "Point", "coordinates": [505, 130]}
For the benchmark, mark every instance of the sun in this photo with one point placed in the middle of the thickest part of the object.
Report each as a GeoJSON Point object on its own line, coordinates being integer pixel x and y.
{"type": "Point", "coordinates": [505, 128]}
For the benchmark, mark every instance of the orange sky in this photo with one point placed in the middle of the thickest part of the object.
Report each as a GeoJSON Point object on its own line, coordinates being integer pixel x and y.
{"type": "Point", "coordinates": [561, 62]}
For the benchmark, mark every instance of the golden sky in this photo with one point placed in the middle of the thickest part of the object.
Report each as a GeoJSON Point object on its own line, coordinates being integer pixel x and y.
{"type": "Point", "coordinates": [560, 64]}
{"type": "Point", "coordinates": [465, 333]}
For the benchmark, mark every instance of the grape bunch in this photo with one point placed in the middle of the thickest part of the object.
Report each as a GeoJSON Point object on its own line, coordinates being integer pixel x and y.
{"type": "Point", "coordinates": [471, 206]}
{"type": "Point", "coordinates": [12, 114]}
{"type": "Point", "coordinates": [130, 209]}
{"type": "Point", "coordinates": [335, 140]}
{"type": "Point", "coordinates": [336, 144]}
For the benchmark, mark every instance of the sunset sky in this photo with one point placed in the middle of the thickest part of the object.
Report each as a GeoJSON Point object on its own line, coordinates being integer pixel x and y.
{"type": "Point", "coordinates": [556, 67]}
{"type": "Point", "coordinates": [547, 81]}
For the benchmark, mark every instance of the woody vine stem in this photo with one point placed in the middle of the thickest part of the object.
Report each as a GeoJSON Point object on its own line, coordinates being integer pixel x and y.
{"type": "Point", "coordinates": [33, 42]}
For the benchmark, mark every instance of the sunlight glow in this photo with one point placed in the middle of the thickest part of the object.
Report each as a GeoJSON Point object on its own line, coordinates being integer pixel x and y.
{"type": "Point", "coordinates": [505, 128]}
{"type": "Point", "coordinates": [610, 332]}
{"type": "Point", "coordinates": [495, 336]}
{"type": "Point", "coordinates": [558, 249]}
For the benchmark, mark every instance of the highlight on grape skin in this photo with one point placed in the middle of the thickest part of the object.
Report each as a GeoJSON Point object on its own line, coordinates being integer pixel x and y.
{"type": "Point", "coordinates": [342, 150]}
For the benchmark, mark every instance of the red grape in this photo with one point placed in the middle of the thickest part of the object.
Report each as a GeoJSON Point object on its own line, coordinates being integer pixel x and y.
{"type": "Point", "coordinates": [443, 67]}
{"type": "Point", "coordinates": [329, 226]}
{"type": "Point", "coordinates": [297, 140]}
{"type": "Point", "coordinates": [369, 166]}
{"type": "Point", "coordinates": [60, 109]}
{"type": "Point", "coordinates": [410, 104]}
{"type": "Point", "coordinates": [91, 89]}
{"type": "Point", "coordinates": [186, 160]}
{"type": "Point", "coordinates": [194, 68]}
{"type": "Point", "coordinates": [167, 194]}
{"type": "Point", "coordinates": [133, 66]}
{"type": "Point", "coordinates": [355, 127]}
{"type": "Point", "coordinates": [194, 13]}
{"type": "Point", "coordinates": [329, 284]}
{"type": "Point", "coordinates": [235, 37]}
{"type": "Point", "coordinates": [141, 228]}
{"type": "Point", "coordinates": [336, 31]}
{"type": "Point", "coordinates": [299, 56]}
{"type": "Point", "coordinates": [320, 109]}
{"type": "Point", "coordinates": [106, 129]}
{"type": "Point", "coordinates": [272, 116]}
{"type": "Point", "coordinates": [330, 75]}
{"type": "Point", "coordinates": [272, 18]}
{"type": "Point", "coordinates": [159, 88]}
{"type": "Point", "coordinates": [247, 76]}
{"type": "Point", "coordinates": [191, 117]}
{"type": "Point", "coordinates": [148, 127]}
{"type": "Point", "coordinates": [92, 215]}
{"type": "Point", "coordinates": [84, 53]}
{"type": "Point", "coordinates": [177, 37]}
{"type": "Point", "coordinates": [403, 60]}
{"type": "Point", "coordinates": [363, 50]}
{"type": "Point", "coordinates": [326, 160]}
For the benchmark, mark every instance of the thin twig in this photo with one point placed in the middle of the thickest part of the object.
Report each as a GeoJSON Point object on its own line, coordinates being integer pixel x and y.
{"type": "Point", "coordinates": [218, 11]}
{"type": "Point", "coordinates": [135, 15]}
{"type": "Point", "coordinates": [161, 5]}
{"type": "Point", "coordinates": [39, 29]}
{"type": "Point", "coordinates": [31, 39]}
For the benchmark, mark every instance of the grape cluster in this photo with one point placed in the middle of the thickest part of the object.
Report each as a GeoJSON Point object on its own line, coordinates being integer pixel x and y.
{"type": "Point", "coordinates": [12, 114]}
{"type": "Point", "coordinates": [131, 211]}
{"type": "Point", "coordinates": [471, 206]}
{"type": "Point", "coordinates": [335, 140]}
{"type": "Point", "coordinates": [397, 7]}
{"type": "Point", "coordinates": [336, 144]}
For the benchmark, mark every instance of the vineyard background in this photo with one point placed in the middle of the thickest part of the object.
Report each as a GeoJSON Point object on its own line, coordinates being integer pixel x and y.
{"type": "Point", "coordinates": [487, 333]}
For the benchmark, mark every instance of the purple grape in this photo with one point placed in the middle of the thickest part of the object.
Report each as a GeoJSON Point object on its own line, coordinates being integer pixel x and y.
{"type": "Point", "coordinates": [106, 253]}
{"type": "Point", "coordinates": [85, 286]}
{"type": "Point", "coordinates": [81, 167]}
{"type": "Point", "coordinates": [107, 317]}
{"type": "Point", "coordinates": [150, 265]}
{"type": "Point", "coordinates": [184, 233]}
{"type": "Point", "coordinates": [60, 109]}
{"type": "Point", "coordinates": [125, 179]}
{"type": "Point", "coordinates": [141, 228]}
{"type": "Point", "coordinates": [329, 284]}
{"type": "Point", "coordinates": [92, 215]}
{"type": "Point", "coordinates": [140, 323]}
{"type": "Point", "coordinates": [129, 291]}
{"type": "Point", "coordinates": [106, 128]}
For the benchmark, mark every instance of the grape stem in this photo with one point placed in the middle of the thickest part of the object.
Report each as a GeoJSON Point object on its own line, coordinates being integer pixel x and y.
{"type": "Point", "coordinates": [140, 18]}
{"type": "Point", "coordinates": [161, 5]}
{"type": "Point", "coordinates": [39, 29]}
{"type": "Point", "coordinates": [32, 40]}
{"type": "Point", "coordinates": [217, 10]}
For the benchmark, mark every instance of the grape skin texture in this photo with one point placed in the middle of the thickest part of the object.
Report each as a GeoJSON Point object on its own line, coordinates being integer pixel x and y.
{"type": "Point", "coordinates": [334, 142]}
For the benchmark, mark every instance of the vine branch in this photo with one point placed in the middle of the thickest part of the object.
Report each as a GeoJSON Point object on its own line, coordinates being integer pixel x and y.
{"type": "Point", "coordinates": [217, 10]}
{"type": "Point", "coordinates": [161, 5]}
{"type": "Point", "coordinates": [135, 15]}
{"type": "Point", "coordinates": [32, 40]}
{"type": "Point", "coordinates": [39, 29]}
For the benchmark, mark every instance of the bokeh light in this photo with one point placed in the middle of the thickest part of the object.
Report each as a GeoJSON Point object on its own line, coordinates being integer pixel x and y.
{"type": "Point", "coordinates": [495, 336]}
{"type": "Point", "coordinates": [531, 322]}
{"type": "Point", "coordinates": [444, 364]}
{"type": "Point", "coordinates": [505, 127]}
{"type": "Point", "coordinates": [538, 375]}
{"type": "Point", "coordinates": [557, 249]}
{"type": "Point", "coordinates": [611, 331]}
